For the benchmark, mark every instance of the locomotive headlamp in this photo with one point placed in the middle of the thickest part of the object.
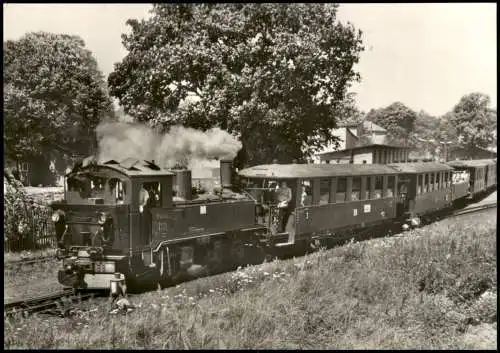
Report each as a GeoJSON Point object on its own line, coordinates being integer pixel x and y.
{"type": "Point", "coordinates": [102, 217]}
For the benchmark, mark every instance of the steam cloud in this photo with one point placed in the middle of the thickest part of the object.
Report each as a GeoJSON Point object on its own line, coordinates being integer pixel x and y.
{"type": "Point", "coordinates": [179, 146]}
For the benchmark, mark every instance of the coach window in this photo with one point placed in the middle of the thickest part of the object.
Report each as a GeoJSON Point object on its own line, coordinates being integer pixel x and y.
{"type": "Point", "coordinates": [426, 183]}
{"type": "Point", "coordinates": [436, 181]}
{"type": "Point", "coordinates": [341, 190]}
{"type": "Point", "coordinates": [420, 179]}
{"type": "Point", "coordinates": [391, 182]}
{"type": "Point", "coordinates": [431, 182]}
{"type": "Point", "coordinates": [356, 189]}
{"type": "Point", "coordinates": [306, 193]}
{"type": "Point", "coordinates": [367, 188]}
{"type": "Point", "coordinates": [333, 190]}
{"type": "Point", "coordinates": [363, 189]}
{"type": "Point", "coordinates": [377, 193]}
{"type": "Point", "coordinates": [324, 191]}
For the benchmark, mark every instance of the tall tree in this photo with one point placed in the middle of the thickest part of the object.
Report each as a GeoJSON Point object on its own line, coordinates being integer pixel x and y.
{"type": "Point", "coordinates": [398, 120]}
{"type": "Point", "coordinates": [349, 113]}
{"type": "Point", "coordinates": [427, 132]}
{"type": "Point", "coordinates": [54, 96]}
{"type": "Point", "coordinates": [274, 74]}
{"type": "Point", "coordinates": [474, 121]}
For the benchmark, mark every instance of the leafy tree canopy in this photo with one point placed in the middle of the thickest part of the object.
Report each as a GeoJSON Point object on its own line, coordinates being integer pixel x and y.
{"type": "Point", "coordinates": [274, 74]}
{"type": "Point", "coordinates": [349, 114]}
{"type": "Point", "coordinates": [398, 120]}
{"type": "Point", "coordinates": [54, 95]}
{"type": "Point", "coordinates": [474, 121]}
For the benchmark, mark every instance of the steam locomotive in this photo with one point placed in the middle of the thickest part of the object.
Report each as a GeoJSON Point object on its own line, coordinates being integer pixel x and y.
{"type": "Point", "coordinates": [132, 224]}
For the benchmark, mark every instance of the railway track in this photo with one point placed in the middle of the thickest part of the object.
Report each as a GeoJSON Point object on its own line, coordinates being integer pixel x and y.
{"type": "Point", "coordinates": [29, 261]}
{"type": "Point", "coordinates": [45, 302]}
{"type": "Point", "coordinates": [473, 209]}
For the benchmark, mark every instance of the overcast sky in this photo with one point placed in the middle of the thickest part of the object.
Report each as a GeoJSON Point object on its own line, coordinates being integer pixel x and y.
{"type": "Point", "coordinates": [424, 55]}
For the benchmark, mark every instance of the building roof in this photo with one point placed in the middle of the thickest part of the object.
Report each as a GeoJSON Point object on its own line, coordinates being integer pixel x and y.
{"type": "Point", "coordinates": [363, 146]}
{"type": "Point", "coordinates": [371, 126]}
{"type": "Point", "coordinates": [367, 125]}
{"type": "Point", "coordinates": [416, 168]}
{"type": "Point", "coordinates": [293, 171]}
{"type": "Point", "coordinates": [130, 167]}
{"type": "Point", "coordinates": [472, 163]}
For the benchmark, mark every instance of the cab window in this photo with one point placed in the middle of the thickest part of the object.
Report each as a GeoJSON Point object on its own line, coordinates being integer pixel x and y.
{"type": "Point", "coordinates": [117, 188]}
{"type": "Point", "coordinates": [420, 179]}
{"type": "Point", "coordinates": [426, 182]}
{"type": "Point", "coordinates": [150, 194]}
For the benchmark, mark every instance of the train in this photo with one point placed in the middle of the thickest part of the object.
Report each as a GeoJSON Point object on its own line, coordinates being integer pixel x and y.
{"type": "Point", "coordinates": [129, 225]}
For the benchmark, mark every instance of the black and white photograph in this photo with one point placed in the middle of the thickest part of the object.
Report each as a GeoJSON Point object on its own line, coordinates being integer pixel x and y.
{"type": "Point", "coordinates": [250, 176]}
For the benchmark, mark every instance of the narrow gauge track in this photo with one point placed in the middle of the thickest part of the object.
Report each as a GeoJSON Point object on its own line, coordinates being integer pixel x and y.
{"type": "Point", "coordinates": [29, 261]}
{"type": "Point", "coordinates": [44, 302]}
{"type": "Point", "coordinates": [474, 209]}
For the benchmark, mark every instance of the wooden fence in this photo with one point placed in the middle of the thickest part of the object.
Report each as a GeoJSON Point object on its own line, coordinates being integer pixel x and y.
{"type": "Point", "coordinates": [40, 232]}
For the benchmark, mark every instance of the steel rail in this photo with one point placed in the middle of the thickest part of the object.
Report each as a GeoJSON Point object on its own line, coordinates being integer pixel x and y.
{"type": "Point", "coordinates": [473, 209]}
{"type": "Point", "coordinates": [41, 303]}
{"type": "Point", "coordinates": [29, 261]}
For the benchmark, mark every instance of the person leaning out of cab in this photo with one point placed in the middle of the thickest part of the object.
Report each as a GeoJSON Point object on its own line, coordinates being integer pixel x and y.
{"type": "Point", "coordinates": [143, 198]}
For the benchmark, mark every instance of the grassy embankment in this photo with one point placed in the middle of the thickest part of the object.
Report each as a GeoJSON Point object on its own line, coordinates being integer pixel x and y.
{"type": "Point", "coordinates": [434, 288]}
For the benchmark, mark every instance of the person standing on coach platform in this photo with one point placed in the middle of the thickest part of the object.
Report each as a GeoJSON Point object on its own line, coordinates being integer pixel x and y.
{"type": "Point", "coordinates": [283, 196]}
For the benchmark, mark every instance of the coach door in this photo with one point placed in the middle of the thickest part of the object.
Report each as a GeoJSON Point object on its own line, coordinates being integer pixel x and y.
{"type": "Point", "coordinates": [403, 194]}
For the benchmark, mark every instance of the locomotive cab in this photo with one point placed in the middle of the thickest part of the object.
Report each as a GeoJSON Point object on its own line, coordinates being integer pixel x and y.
{"type": "Point", "coordinates": [105, 214]}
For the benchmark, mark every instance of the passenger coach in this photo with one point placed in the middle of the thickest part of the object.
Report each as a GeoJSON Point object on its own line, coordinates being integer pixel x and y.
{"type": "Point", "coordinates": [427, 186]}
{"type": "Point", "coordinates": [327, 199]}
{"type": "Point", "coordinates": [482, 174]}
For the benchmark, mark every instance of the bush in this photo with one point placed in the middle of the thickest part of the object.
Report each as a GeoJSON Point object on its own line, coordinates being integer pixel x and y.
{"type": "Point", "coordinates": [24, 220]}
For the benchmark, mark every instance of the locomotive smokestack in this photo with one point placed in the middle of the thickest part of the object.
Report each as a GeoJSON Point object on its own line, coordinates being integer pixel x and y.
{"type": "Point", "coordinates": [226, 170]}
{"type": "Point", "coordinates": [183, 182]}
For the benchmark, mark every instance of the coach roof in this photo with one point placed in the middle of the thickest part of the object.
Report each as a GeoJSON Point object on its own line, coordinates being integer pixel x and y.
{"type": "Point", "coordinates": [472, 163]}
{"type": "Point", "coordinates": [293, 171]}
{"type": "Point", "coordinates": [416, 168]}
